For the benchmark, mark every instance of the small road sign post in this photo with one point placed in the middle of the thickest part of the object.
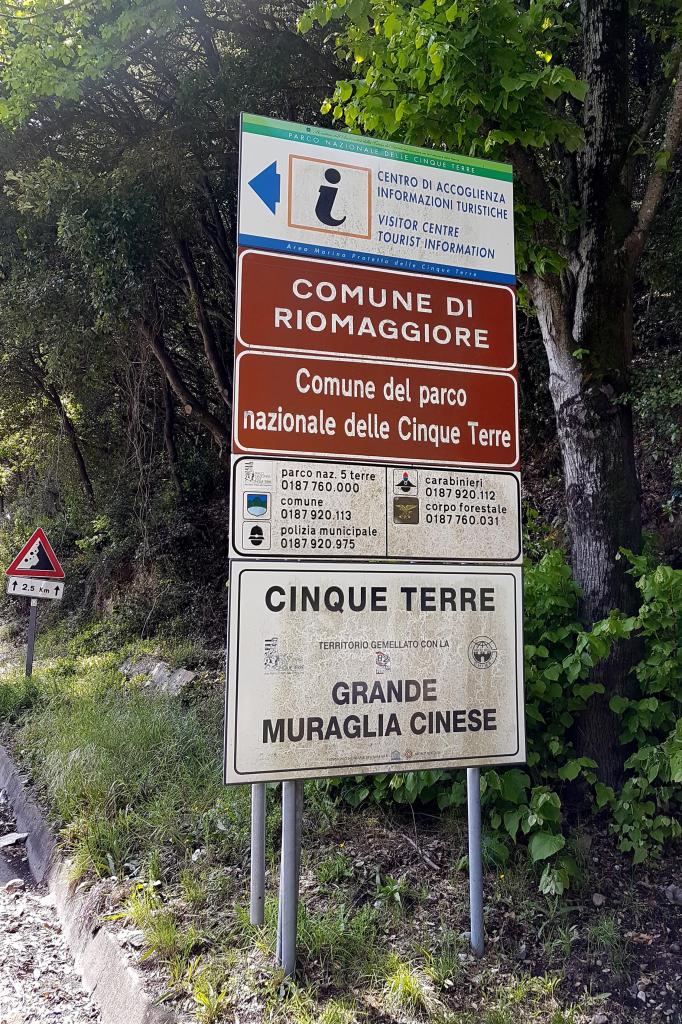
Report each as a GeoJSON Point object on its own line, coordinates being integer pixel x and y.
{"type": "Point", "coordinates": [375, 539]}
{"type": "Point", "coordinates": [32, 618]}
{"type": "Point", "coordinates": [35, 573]}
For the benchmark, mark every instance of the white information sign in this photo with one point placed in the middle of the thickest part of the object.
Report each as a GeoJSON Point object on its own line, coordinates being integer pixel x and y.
{"type": "Point", "coordinates": [311, 191]}
{"type": "Point", "coordinates": [335, 670]}
{"type": "Point", "coordinates": [321, 509]}
{"type": "Point", "coordinates": [25, 586]}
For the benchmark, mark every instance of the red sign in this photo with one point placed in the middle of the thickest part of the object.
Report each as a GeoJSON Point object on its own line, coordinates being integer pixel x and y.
{"type": "Point", "coordinates": [37, 559]}
{"type": "Point", "coordinates": [317, 306]}
{"type": "Point", "coordinates": [348, 408]}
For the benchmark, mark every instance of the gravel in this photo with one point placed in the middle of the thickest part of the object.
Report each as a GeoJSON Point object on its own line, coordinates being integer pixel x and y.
{"type": "Point", "coordinates": [38, 981]}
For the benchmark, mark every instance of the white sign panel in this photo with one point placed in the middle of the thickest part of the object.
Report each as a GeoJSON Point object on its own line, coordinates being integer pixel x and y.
{"type": "Point", "coordinates": [335, 670]}
{"type": "Point", "coordinates": [25, 586]}
{"type": "Point", "coordinates": [320, 509]}
{"type": "Point", "coordinates": [311, 191]}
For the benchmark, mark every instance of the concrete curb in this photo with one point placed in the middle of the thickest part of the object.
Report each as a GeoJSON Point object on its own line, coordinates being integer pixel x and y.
{"type": "Point", "coordinates": [107, 971]}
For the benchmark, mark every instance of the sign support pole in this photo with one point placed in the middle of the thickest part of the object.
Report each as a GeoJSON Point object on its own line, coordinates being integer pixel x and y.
{"type": "Point", "coordinates": [32, 618]}
{"type": "Point", "coordinates": [475, 860]}
{"type": "Point", "coordinates": [257, 910]}
{"type": "Point", "coordinates": [292, 805]}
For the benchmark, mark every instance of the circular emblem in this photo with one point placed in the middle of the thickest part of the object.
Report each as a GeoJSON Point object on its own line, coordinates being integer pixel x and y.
{"type": "Point", "coordinates": [482, 652]}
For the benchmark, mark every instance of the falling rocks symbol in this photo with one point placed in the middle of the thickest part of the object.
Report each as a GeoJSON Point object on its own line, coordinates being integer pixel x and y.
{"type": "Point", "coordinates": [36, 558]}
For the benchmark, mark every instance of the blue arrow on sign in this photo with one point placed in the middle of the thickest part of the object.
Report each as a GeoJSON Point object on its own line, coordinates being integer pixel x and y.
{"type": "Point", "coordinates": [266, 185]}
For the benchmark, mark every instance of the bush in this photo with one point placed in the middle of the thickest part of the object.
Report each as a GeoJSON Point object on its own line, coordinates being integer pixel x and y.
{"type": "Point", "coordinates": [558, 656]}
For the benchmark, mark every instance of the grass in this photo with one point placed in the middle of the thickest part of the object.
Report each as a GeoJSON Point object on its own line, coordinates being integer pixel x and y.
{"type": "Point", "coordinates": [442, 959]}
{"type": "Point", "coordinates": [605, 942]}
{"type": "Point", "coordinates": [343, 943]}
{"type": "Point", "coordinates": [129, 774]}
{"type": "Point", "coordinates": [406, 988]}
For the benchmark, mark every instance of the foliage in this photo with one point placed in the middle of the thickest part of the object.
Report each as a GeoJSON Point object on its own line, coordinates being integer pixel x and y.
{"type": "Point", "coordinates": [527, 803]}
{"type": "Point", "coordinates": [488, 80]}
{"type": "Point", "coordinates": [117, 212]}
{"type": "Point", "coordinates": [646, 811]}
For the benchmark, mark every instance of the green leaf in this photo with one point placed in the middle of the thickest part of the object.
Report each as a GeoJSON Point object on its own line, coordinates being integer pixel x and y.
{"type": "Point", "coordinates": [571, 770]}
{"type": "Point", "coordinates": [514, 784]}
{"type": "Point", "coordinates": [577, 88]}
{"type": "Point", "coordinates": [604, 794]}
{"type": "Point", "coordinates": [545, 844]}
{"type": "Point", "coordinates": [511, 822]}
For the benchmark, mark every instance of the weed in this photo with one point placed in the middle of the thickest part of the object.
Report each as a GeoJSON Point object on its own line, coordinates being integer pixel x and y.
{"type": "Point", "coordinates": [211, 1001]}
{"type": "Point", "coordinates": [392, 893]}
{"type": "Point", "coordinates": [497, 1017]}
{"type": "Point", "coordinates": [338, 1012]}
{"type": "Point", "coordinates": [334, 869]}
{"type": "Point", "coordinates": [558, 941]}
{"type": "Point", "coordinates": [193, 888]}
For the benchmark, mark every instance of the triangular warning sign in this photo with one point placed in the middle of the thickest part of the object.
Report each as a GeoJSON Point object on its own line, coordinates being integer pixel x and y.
{"type": "Point", "coordinates": [37, 559]}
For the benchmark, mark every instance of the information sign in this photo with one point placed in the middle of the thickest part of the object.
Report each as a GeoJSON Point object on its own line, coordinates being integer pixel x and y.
{"type": "Point", "coordinates": [311, 191]}
{"type": "Point", "coordinates": [338, 510]}
{"type": "Point", "coordinates": [312, 405]}
{"type": "Point", "coordinates": [321, 307]}
{"type": "Point", "coordinates": [335, 670]}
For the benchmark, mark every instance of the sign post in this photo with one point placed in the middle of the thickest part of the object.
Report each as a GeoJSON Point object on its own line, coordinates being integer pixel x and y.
{"type": "Point", "coordinates": [32, 617]}
{"type": "Point", "coordinates": [258, 803]}
{"type": "Point", "coordinates": [375, 542]}
{"type": "Point", "coordinates": [35, 573]}
{"type": "Point", "coordinates": [292, 810]}
{"type": "Point", "coordinates": [475, 860]}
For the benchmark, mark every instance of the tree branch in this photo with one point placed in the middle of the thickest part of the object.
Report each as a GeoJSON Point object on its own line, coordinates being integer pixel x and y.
{"type": "Point", "coordinates": [211, 347]}
{"type": "Point", "coordinates": [653, 193]}
{"type": "Point", "coordinates": [190, 405]}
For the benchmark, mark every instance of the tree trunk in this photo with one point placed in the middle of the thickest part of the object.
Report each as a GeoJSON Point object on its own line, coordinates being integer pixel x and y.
{"type": "Point", "coordinates": [602, 493]}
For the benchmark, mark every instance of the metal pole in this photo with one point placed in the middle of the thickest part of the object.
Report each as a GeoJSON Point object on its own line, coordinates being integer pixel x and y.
{"type": "Point", "coordinates": [257, 915]}
{"type": "Point", "coordinates": [299, 825]}
{"type": "Point", "coordinates": [292, 798]}
{"type": "Point", "coordinates": [278, 953]}
{"type": "Point", "coordinates": [32, 616]}
{"type": "Point", "coordinates": [475, 860]}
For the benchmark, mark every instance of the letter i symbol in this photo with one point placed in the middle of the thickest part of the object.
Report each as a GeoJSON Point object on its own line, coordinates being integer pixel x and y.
{"type": "Point", "coordinates": [326, 197]}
